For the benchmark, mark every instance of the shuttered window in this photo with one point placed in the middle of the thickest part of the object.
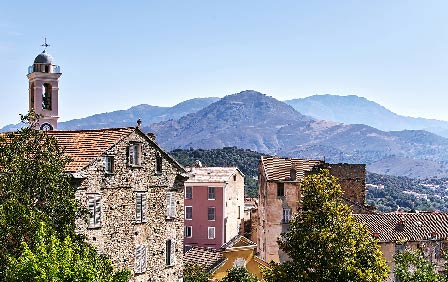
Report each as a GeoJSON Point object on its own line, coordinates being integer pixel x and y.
{"type": "Point", "coordinates": [170, 252]}
{"type": "Point", "coordinates": [188, 192]}
{"type": "Point", "coordinates": [109, 164]}
{"type": "Point", "coordinates": [188, 231]}
{"type": "Point", "coordinates": [211, 193]}
{"type": "Point", "coordinates": [171, 204]}
{"type": "Point", "coordinates": [211, 233]}
{"type": "Point", "coordinates": [211, 213]}
{"type": "Point", "coordinates": [140, 259]}
{"type": "Point", "coordinates": [135, 151]}
{"type": "Point", "coordinates": [140, 207]}
{"type": "Point", "coordinates": [286, 215]}
{"type": "Point", "coordinates": [94, 207]}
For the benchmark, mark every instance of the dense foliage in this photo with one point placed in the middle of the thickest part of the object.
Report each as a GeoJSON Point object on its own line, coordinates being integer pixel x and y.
{"type": "Point", "coordinates": [245, 159]}
{"type": "Point", "coordinates": [54, 260]}
{"type": "Point", "coordinates": [325, 242]}
{"type": "Point", "coordinates": [195, 273]}
{"type": "Point", "coordinates": [239, 274]}
{"type": "Point", "coordinates": [34, 190]}
{"type": "Point", "coordinates": [412, 266]}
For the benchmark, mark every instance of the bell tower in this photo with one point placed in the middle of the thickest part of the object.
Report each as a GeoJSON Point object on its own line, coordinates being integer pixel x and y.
{"type": "Point", "coordinates": [43, 77]}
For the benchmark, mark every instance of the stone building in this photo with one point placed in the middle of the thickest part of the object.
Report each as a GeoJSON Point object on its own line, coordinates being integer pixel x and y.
{"type": "Point", "coordinates": [134, 193]}
{"type": "Point", "coordinates": [279, 195]}
{"type": "Point", "coordinates": [399, 231]}
{"type": "Point", "coordinates": [214, 206]}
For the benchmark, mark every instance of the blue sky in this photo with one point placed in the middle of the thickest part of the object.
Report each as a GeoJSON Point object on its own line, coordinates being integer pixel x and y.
{"type": "Point", "coordinates": [117, 54]}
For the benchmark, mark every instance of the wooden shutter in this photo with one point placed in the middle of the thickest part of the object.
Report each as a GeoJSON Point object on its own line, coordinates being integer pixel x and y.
{"type": "Point", "coordinates": [211, 233]}
{"type": "Point", "coordinates": [171, 204]}
{"type": "Point", "coordinates": [132, 155]}
{"type": "Point", "coordinates": [143, 210]}
{"type": "Point", "coordinates": [173, 252]}
{"type": "Point", "coordinates": [140, 259]}
{"type": "Point", "coordinates": [97, 211]}
{"type": "Point", "coordinates": [138, 208]}
{"type": "Point", "coordinates": [91, 208]}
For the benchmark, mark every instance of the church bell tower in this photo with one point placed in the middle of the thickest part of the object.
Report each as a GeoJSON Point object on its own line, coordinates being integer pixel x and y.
{"type": "Point", "coordinates": [43, 77]}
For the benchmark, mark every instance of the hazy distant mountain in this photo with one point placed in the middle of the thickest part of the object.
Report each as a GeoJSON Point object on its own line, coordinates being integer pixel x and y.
{"type": "Point", "coordinates": [358, 110]}
{"type": "Point", "coordinates": [261, 123]}
{"type": "Point", "coordinates": [148, 114]}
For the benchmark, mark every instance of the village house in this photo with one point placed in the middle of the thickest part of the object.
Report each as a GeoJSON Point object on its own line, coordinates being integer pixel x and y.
{"type": "Point", "coordinates": [397, 232]}
{"type": "Point", "coordinates": [238, 252]}
{"type": "Point", "coordinates": [132, 189]}
{"type": "Point", "coordinates": [279, 196]}
{"type": "Point", "coordinates": [214, 206]}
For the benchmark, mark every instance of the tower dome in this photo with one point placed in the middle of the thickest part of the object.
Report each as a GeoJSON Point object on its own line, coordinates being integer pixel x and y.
{"type": "Point", "coordinates": [44, 58]}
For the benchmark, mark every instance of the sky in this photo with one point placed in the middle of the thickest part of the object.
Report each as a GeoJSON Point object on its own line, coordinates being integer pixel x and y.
{"type": "Point", "coordinates": [118, 54]}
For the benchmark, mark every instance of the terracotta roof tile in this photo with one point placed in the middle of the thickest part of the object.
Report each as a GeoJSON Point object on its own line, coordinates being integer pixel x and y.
{"type": "Point", "coordinates": [390, 227]}
{"type": "Point", "coordinates": [208, 258]}
{"type": "Point", "coordinates": [83, 146]}
{"type": "Point", "coordinates": [279, 169]}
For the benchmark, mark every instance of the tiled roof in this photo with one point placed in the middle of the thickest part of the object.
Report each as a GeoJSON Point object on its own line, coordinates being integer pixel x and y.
{"type": "Point", "coordinates": [279, 169]}
{"type": "Point", "coordinates": [83, 146]}
{"type": "Point", "coordinates": [208, 258]}
{"type": "Point", "coordinates": [210, 174]}
{"type": "Point", "coordinates": [238, 241]}
{"type": "Point", "coordinates": [389, 227]}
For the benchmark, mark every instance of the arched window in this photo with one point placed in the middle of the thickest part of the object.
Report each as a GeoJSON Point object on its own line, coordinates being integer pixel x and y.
{"type": "Point", "coordinates": [46, 96]}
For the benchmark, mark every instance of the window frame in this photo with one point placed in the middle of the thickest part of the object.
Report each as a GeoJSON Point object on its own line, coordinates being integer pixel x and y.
{"type": "Point", "coordinates": [135, 154]}
{"type": "Point", "coordinates": [190, 194]}
{"type": "Point", "coordinates": [213, 193]}
{"type": "Point", "coordinates": [109, 164]}
{"type": "Point", "coordinates": [214, 213]}
{"type": "Point", "coordinates": [286, 215]}
{"type": "Point", "coordinates": [210, 228]}
{"type": "Point", "coordinates": [191, 214]}
{"type": "Point", "coordinates": [171, 205]}
{"type": "Point", "coordinates": [170, 252]}
{"type": "Point", "coordinates": [188, 232]}
{"type": "Point", "coordinates": [280, 187]}
{"type": "Point", "coordinates": [140, 259]}
{"type": "Point", "coordinates": [159, 164]}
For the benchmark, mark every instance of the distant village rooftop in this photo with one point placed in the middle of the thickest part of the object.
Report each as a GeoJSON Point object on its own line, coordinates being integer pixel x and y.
{"type": "Point", "coordinates": [390, 227]}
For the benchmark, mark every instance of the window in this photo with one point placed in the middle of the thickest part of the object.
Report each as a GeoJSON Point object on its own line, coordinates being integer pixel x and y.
{"type": "Point", "coordinates": [46, 96]}
{"type": "Point", "coordinates": [211, 213]}
{"type": "Point", "coordinates": [188, 231]}
{"type": "Point", "coordinates": [211, 232]}
{"type": "Point", "coordinates": [140, 259]}
{"type": "Point", "coordinates": [239, 212]}
{"type": "Point", "coordinates": [188, 192]}
{"type": "Point", "coordinates": [135, 151]}
{"type": "Point", "coordinates": [286, 215]}
{"type": "Point", "coordinates": [109, 164]}
{"type": "Point", "coordinates": [171, 204]}
{"type": "Point", "coordinates": [188, 212]}
{"type": "Point", "coordinates": [211, 193]}
{"type": "Point", "coordinates": [158, 164]}
{"type": "Point", "coordinates": [94, 206]}
{"type": "Point", "coordinates": [170, 252]}
{"type": "Point", "coordinates": [234, 177]}
{"type": "Point", "coordinates": [280, 190]}
{"type": "Point", "coordinates": [140, 207]}
{"type": "Point", "coordinates": [187, 248]}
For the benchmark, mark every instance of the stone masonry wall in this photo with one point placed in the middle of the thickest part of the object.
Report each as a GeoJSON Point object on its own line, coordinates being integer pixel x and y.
{"type": "Point", "coordinates": [119, 233]}
{"type": "Point", "coordinates": [234, 193]}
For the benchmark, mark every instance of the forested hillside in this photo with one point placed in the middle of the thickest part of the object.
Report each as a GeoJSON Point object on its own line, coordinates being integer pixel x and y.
{"type": "Point", "coordinates": [245, 159]}
{"type": "Point", "coordinates": [387, 193]}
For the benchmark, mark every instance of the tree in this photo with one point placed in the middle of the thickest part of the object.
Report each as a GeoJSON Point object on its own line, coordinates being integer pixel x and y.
{"type": "Point", "coordinates": [324, 241]}
{"type": "Point", "coordinates": [239, 274]}
{"type": "Point", "coordinates": [195, 273]}
{"type": "Point", "coordinates": [412, 266]}
{"type": "Point", "coordinates": [56, 260]}
{"type": "Point", "coordinates": [34, 190]}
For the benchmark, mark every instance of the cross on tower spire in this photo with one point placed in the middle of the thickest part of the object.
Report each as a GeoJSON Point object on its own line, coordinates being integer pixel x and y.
{"type": "Point", "coordinates": [45, 44]}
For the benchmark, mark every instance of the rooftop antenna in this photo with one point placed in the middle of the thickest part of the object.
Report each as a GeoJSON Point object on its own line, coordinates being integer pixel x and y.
{"type": "Point", "coordinates": [45, 45]}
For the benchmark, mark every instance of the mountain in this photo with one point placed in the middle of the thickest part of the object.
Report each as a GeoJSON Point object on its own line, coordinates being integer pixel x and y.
{"type": "Point", "coordinates": [148, 114]}
{"type": "Point", "coordinates": [252, 120]}
{"type": "Point", "coordinates": [358, 110]}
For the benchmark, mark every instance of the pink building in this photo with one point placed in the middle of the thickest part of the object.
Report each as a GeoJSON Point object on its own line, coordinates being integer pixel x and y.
{"type": "Point", "coordinates": [214, 206]}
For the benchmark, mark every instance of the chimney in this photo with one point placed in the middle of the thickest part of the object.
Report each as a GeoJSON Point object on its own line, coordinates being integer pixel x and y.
{"type": "Point", "coordinates": [151, 136]}
{"type": "Point", "coordinates": [139, 122]}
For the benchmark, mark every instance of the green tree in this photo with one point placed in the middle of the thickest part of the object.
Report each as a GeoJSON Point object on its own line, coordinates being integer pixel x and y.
{"type": "Point", "coordinates": [34, 190]}
{"type": "Point", "coordinates": [412, 266]}
{"type": "Point", "coordinates": [325, 242]}
{"type": "Point", "coordinates": [239, 274]}
{"type": "Point", "coordinates": [55, 260]}
{"type": "Point", "coordinates": [195, 273]}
